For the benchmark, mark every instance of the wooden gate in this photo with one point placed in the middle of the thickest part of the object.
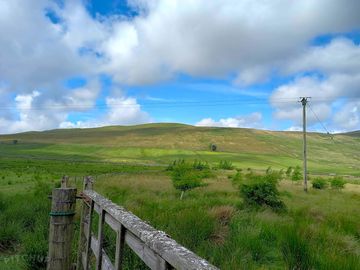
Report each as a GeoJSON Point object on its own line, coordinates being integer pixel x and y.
{"type": "Point", "coordinates": [156, 249]}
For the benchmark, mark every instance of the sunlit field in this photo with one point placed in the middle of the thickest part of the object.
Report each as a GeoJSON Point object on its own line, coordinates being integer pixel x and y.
{"type": "Point", "coordinates": [319, 229]}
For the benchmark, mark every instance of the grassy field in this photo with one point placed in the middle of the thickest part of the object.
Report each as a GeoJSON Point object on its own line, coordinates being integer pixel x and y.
{"type": "Point", "coordinates": [156, 144]}
{"type": "Point", "coordinates": [317, 230]}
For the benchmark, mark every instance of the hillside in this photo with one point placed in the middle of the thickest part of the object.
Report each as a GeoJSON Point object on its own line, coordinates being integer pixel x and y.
{"type": "Point", "coordinates": [353, 133]}
{"type": "Point", "coordinates": [317, 229]}
{"type": "Point", "coordinates": [161, 143]}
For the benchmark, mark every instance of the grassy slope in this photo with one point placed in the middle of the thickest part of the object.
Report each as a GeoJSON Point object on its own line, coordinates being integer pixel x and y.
{"type": "Point", "coordinates": [161, 143]}
{"type": "Point", "coordinates": [320, 227]}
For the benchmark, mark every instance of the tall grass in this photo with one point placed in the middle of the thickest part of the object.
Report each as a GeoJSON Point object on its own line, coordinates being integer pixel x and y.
{"type": "Point", "coordinates": [319, 230]}
{"type": "Point", "coordinates": [24, 226]}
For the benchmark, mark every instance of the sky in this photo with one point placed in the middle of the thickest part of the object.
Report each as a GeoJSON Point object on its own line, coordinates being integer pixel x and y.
{"type": "Point", "coordinates": [229, 63]}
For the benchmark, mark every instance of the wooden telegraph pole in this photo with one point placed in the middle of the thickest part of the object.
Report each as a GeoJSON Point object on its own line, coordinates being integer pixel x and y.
{"type": "Point", "coordinates": [304, 101]}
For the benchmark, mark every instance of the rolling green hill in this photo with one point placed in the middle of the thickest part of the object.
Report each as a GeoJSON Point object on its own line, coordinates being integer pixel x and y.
{"type": "Point", "coordinates": [318, 229]}
{"type": "Point", "coordinates": [162, 143]}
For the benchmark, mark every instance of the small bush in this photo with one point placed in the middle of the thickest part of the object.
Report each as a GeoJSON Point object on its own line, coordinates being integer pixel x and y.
{"type": "Point", "coordinates": [262, 191]}
{"type": "Point", "coordinates": [184, 177]}
{"type": "Point", "coordinates": [337, 183]}
{"type": "Point", "coordinates": [201, 166]}
{"type": "Point", "coordinates": [226, 165]}
{"type": "Point", "coordinates": [319, 183]}
{"type": "Point", "coordinates": [175, 163]}
{"type": "Point", "coordinates": [296, 174]}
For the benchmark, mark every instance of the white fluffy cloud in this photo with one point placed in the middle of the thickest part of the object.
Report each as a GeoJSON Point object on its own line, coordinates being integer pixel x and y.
{"type": "Point", "coordinates": [122, 111]}
{"type": "Point", "coordinates": [38, 55]}
{"type": "Point", "coordinates": [339, 66]}
{"type": "Point", "coordinates": [30, 118]}
{"type": "Point", "coordinates": [253, 120]}
{"type": "Point", "coordinates": [341, 55]}
{"type": "Point", "coordinates": [125, 111]}
{"type": "Point", "coordinates": [33, 51]}
{"type": "Point", "coordinates": [200, 38]}
{"type": "Point", "coordinates": [348, 118]}
{"type": "Point", "coordinates": [247, 40]}
{"type": "Point", "coordinates": [215, 38]}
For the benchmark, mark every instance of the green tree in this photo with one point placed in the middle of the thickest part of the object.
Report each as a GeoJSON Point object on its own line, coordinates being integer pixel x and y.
{"type": "Point", "coordinates": [184, 177]}
{"type": "Point", "coordinates": [213, 147]}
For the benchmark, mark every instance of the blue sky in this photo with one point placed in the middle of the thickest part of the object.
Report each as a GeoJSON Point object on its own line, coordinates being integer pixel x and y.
{"type": "Point", "coordinates": [230, 63]}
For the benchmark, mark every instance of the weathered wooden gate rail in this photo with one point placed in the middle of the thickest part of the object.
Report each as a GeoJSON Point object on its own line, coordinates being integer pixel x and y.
{"type": "Point", "coordinates": [154, 247]}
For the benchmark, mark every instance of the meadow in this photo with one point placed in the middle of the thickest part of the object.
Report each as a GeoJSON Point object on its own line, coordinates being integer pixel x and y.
{"type": "Point", "coordinates": [319, 229]}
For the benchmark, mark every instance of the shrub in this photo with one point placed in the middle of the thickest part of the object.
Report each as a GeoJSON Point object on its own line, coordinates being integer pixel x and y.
{"type": "Point", "coordinates": [199, 165]}
{"type": "Point", "coordinates": [175, 163]}
{"type": "Point", "coordinates": [262, 191]}
{"type": "Point", "coordinates": [319, 183]}
{"type": "Point", "coordinates": [297, 175]}
{"type": "Point", "coordinates": [184, 177]}
{"type": "Point", "coordinates": [337, 183]}
{"type": "Point", "coordinates": [226, 165]}
{"type": "Point", "coordinates": [273, 176]}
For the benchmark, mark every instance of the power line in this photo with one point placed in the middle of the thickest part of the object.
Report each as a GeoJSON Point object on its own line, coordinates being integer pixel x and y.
{"type": "Point", "coordinates": [151, 105]}
{"type": "Point", "coordinates": [321, 123]}
{"type": "Point", "coordinates": [168, 104]}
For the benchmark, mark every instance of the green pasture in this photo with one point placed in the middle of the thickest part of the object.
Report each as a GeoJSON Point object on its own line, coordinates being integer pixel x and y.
{"type": "Point", "coordinates": [317, 230]}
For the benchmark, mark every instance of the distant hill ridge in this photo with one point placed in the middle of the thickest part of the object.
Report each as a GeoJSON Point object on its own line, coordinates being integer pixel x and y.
{"type": "Point", "coordinates": [180, 136]}
{"type": "Point", "coordinates": [353, 133]}
{"type": "Point", "coordinates": [164, 142]}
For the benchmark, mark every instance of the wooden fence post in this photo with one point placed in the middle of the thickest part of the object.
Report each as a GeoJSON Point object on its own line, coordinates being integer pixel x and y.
{"type": "Point", "coordinates": [64, 181]}
{"type": "Point", "coordinates": [61, 227]}
{"type": "Point", "coordinates": [85, 229]}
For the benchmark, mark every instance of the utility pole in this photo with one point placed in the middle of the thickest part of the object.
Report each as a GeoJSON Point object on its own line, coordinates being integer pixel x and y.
{"type": "Point", "coordinates": [304, 101]}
